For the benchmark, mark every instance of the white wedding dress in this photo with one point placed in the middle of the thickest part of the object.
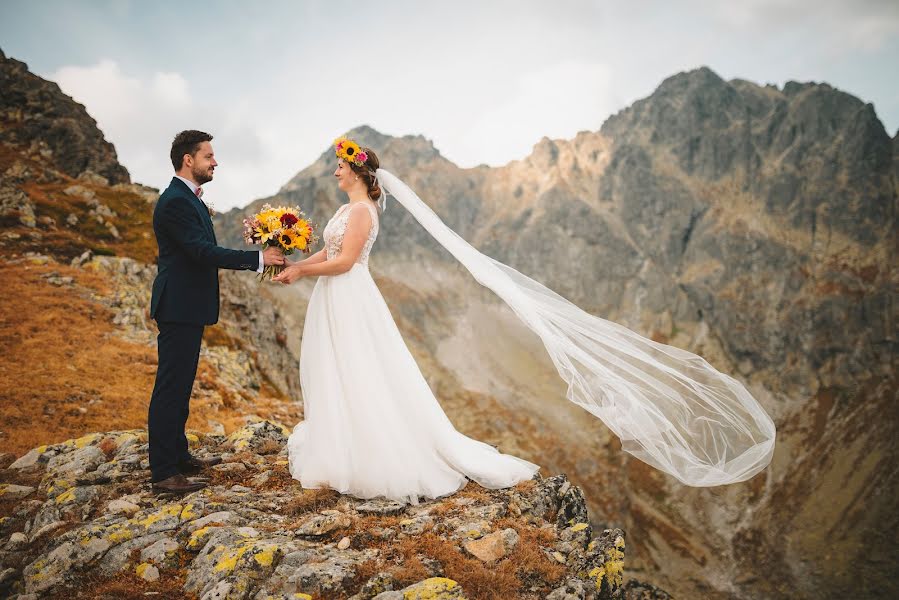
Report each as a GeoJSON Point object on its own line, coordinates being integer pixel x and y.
{"type": "Point", "coordinates": [372, 425]}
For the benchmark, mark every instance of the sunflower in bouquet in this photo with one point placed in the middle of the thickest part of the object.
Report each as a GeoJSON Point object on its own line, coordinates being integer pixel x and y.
{"type": "Point", "coordinates": [283, 227]}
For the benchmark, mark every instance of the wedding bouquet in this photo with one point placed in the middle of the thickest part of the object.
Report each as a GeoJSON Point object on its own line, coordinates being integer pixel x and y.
{"type": "Point", "coordinates": [282, 227]}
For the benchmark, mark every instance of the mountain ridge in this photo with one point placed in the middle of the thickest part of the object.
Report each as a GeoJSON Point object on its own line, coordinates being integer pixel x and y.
{"type": "Point", "coordinates": [753, 225]}
{"type": "Point", "coordinates": [746, 224]}
{"type": "Point", "coordinates": [77, 515]}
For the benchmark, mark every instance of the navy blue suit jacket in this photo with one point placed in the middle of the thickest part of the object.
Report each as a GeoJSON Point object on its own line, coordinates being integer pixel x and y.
{"type": "Point", "coordinates": [186, 289]}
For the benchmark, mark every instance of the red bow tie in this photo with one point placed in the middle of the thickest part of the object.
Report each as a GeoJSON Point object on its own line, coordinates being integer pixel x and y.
{"type": "Point", "coordinates": [199, 192]}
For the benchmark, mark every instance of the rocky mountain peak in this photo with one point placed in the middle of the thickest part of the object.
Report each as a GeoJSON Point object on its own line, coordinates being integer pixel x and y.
{"type": "Point", "coordinates": [686, 82]}
{"type": "Point", "coordinates": [768, 142]}
{"type": "Point", "coordinates": [545, 153]}
{"type": "Point", "coordinates": [406, 152]}
{"type": "Point", "coordinates": [37, 118]}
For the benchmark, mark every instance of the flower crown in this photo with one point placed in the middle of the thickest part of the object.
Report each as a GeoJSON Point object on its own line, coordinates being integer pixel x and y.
{"type": "Point", "coordinates": [350, 151]}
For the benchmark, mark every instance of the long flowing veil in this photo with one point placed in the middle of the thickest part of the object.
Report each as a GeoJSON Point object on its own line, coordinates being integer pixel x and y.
{"type": "Point", "coordinates": [670, 408]}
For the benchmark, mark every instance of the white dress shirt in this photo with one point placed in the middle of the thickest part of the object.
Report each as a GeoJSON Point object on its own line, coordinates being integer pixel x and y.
{"type": "Point", "coordinates": [193, 188]}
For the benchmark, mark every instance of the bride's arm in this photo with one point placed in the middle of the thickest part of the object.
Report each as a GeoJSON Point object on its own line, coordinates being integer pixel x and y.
{"type": "Point", "coordinates": [320, 256]}
{"type": "Point", "coordinates": [357, 228]}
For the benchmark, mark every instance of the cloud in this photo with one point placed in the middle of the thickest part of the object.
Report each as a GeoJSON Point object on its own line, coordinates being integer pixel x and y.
{"type": "Point", "coordinates": [141, 115]}
{"type": "Point", "coordinates": [866, 25]}
{"type": "Point", "coordinates": [556, 101]}
{"type": "Point", "coordinates": [171, 90]}
{"type": "Point", "coordinates": [103, 88]}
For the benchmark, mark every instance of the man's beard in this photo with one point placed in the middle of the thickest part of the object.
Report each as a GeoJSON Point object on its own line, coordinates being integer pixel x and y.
{"type": "Point", "coordinates": [201, 177]}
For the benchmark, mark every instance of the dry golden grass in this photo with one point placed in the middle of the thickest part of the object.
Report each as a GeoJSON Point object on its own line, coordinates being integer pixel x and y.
{"type": "Point", "coordinates": [474, 491]}
{"type": "Point", "coordinates": [533, 567]}
{"type": "Point", "coordinates": [511, 577]}
{"type": "Point", "coordinates": [280, 480]}
{"type": "Point", "coordinates": [58, 354]}
{"type": "Point", "coordinates": [490, 582]}
{"type": "Point", "coordinates": [311, 500]}
{"type": "Point", "coordinates": [410, 570]}
{"type": "Point", "coordinates": [364, 571]}
{"type": "Point", "coordinates": [125, 586]}
{"type": "Point", "coordinates": [133, 220]}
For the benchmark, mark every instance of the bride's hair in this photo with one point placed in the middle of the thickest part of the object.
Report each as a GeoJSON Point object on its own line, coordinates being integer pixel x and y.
{"type": "Point", "coordinates": [367, 173]}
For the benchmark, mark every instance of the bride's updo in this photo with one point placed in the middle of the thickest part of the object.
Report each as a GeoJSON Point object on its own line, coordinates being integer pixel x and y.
{"type": "Point", "coordinates": [367, 173]}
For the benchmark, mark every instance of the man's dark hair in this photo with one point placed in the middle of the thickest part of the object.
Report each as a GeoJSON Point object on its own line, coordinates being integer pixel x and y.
{"type": "Point", "coordinates": [187, 142]}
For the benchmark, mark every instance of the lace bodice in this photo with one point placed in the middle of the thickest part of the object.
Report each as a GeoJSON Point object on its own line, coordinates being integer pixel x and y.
{"type": "Point", "coordinates": [336, 228]}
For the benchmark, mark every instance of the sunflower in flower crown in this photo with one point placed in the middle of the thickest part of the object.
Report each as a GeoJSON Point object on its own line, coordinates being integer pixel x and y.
{"type": "Point", "coordinates": [349, 151]}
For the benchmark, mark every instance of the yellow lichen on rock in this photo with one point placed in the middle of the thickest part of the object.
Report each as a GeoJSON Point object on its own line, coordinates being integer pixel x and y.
{"type": "Point", "coordinates": [37, 569]}
{"type": "Point", "coordinates": [188, 513]}
{"type": "Point", "coordinates": [126, 437]}
{"type": "Point", "coordinates": [579, 527]}
{"type": "Point", "coordinates": [229, 558]}
{"type": "Point", "coordinates": [615, 562]}
{"type": "Point", "coordinates": [141, 568]}
{"type": "Point", "coordinates": [613, 568]}
{"type": "Point", "coordinates": [241, 439]}
{"type": "Point", "coordinates": [67, 496]}
{"type": "Point", "coordinates": [266, 556]}
{"type": "Point", "coordinates": [197, 538]}
{"type": "Point", "coordinates": [119, 533]}
{"type": "Point", "coordinates": [597, 573]}
{"type": "Point", "coordinates": [435, 588]}
{"type": "Point", "coordinates": [86, 440]}
{"type": "Point", "coordinates": [171, 510]}
{"type": "Point", "coordinates": [59, 484]}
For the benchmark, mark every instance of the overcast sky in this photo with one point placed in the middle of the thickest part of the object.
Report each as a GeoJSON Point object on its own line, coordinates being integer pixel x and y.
{"type": "Point", "coordinates": [276, 81]}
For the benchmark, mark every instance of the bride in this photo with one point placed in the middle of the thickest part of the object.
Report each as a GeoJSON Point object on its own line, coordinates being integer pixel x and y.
{"type": "Point", "coordinates": [372, 425]}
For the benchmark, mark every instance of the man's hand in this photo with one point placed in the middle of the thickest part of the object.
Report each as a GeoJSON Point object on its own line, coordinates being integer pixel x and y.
{"type": "Point", "coordinates": [272, 256]}
{"type": "Point", "coordinates": [288, 275]}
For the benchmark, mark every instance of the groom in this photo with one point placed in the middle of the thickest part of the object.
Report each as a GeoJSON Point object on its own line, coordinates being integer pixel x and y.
{"type": "Point", "coordinates": [185, 299]}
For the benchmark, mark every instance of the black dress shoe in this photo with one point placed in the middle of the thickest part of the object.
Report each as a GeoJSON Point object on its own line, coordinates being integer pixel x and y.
{"type": "Point", "coordinates": [178, 484]}
{"type": "Point", "coordinates": [194, 465]}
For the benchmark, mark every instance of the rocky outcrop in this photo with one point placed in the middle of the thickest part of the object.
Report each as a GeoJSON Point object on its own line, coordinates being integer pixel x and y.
{"type": "Point", "coordinates": [89, 517]}
{"type": "Point", "coordinates": [37, 118]}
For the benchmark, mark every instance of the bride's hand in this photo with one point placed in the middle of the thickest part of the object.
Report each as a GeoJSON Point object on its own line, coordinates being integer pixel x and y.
{"type": "Point", "coordinates": [288, 275]}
